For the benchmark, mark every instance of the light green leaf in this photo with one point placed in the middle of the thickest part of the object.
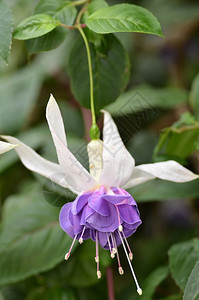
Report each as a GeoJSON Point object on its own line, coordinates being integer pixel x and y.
{"type": "Point", "coordinates": [159, 190]}
{"type": "Point", "coordinates": [152, 281]}
{"type": "Point", "coordinates": [31, 240]}
{"type": "Point", "coordinates": [110, 70]}
{"type": "Point", "coordinates": [6, 26]}
{"type": "Point", "coordinates": [124, 18]}
{"type": "Point", "coordinates": [182, 259]}
{"type": "Point", "coordinates": [144, 97]}
{"type": "Point", "coordinates": [19, 93]}
{"type": "Point", "coordinates": [194, 96]}
{"type": "Point", "coordinates": [60, 10]}
{"type": "Point", "coordinates": [192, 287]}
{"type": "Point", "coordinates": [35, 26]}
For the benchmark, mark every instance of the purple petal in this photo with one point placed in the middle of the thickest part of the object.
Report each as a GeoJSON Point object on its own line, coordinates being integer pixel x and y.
{"type": "Point", "coordinates": [129, 214]}
{"type": "Point", "coordinates": [64, 220]}
{"type": "Point", "coordinates": [80, 202]}
{"type": "Point", "coordinates": [99, 205]}
{"type": "Point", "coordinates": [117, 199]}
{"type": "Point", "coordinates": [104, 223]}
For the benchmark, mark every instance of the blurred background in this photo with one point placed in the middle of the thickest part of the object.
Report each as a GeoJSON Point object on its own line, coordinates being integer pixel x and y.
{"type": "Point", "coordinates": [158, 118]}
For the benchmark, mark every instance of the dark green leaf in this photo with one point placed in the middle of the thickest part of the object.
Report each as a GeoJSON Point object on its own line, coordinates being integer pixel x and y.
{"type": "Point", "coordinates": [60, 10]}
{"type": "Point", "coordinates": [35, 26]}
{"type": "Point", "coordinates": [19, 93]}
{"type": "Point", "coordinates": [6, 26]}
{"type": "Point", "coordinates": [159, 190]}
{"type": "Point", "coordinates": [110, 70]}
{"type": "Point", "coordinates": [80, 269]}
{"type": "Point", "coordinates": [182, 259]}
{"type": "Point", "coordinates": [145, 97]}
{"type": "Point", "coordinates": [179, 140]}
{"type": "Point", "coordinates": [153, 280]}
{"type": "Point", "coordinates": [194, 96]}
{"type": "Point", "coordinates": [124, 18]}
{"type": "Point", "coordinates": [31, 240]}
{"type": "Point", "coordinates": [192, 287]}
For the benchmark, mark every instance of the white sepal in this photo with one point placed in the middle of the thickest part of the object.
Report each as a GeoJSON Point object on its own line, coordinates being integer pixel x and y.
{"type": "Point", "coordinates": [77, 176]}
{"type": "Point", "coordinates": [4, 147]}
{"type": "Point", "coordinates": [167, 170]}
{"type": "Point", "coordinates": [118, 164]}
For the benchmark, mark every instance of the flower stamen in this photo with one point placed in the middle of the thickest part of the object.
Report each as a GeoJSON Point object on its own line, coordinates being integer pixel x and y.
{"type": "Point", "coordinates": [120, 269]}
{"type": "Point", "coordinates": [97, 256]}
{"type": "Point", "coordinates": [71, 247]}
{"type": "Point", "coordinates": [81, 237]}
{"type": "Point", "coordinates": [139, 290]}
{"type": "Point", "coordinates": [130, 252]}
{"type": "Point", "coordinates": [109, 244]}
{"type": "Point", "coordinates": [114, 250]}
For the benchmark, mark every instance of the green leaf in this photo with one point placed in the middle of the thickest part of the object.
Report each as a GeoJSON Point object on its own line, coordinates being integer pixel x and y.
{"type": "Point", "coordinates": [153, 280]}
{"type": "Point", "coordinates": [51, 294]}
{"type": "Point", "coordinates": [19, 93]}
{"type": "Point", "coordinates": [124, 18]}
{"type": "Point", "coordinates": [182, 259]}
{"type": "Point", "coordinates": [159, 190]}
{"type": "Point", "coordinates": [6, 26]}
{"type": "Point", "coordinates": [35, 26]}
{"type": "Point", "coordinates": [179, 140]}
{"type": "Point", "coordinates": [80, 270]}
{"type": "Point", "coordinates": [60, 10]}
{"type": "Point", "coordinates": [92, 7]}
{"type": "Point", "coordinates": [31, 240]}
{"type": "Point", "coordinates": [110, 78]}
{"type": "Point", "coordinates": [144, 97]}
{"type": "Point", "coordinates": [192, 287]}
{"type": "Point", "coordinates": [194, 96]}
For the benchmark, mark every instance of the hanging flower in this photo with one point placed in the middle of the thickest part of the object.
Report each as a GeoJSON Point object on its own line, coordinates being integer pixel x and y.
{"type": "Point", "coordinates": [5, 147]}
{"type": "Point", "coordinates": [103, 210]}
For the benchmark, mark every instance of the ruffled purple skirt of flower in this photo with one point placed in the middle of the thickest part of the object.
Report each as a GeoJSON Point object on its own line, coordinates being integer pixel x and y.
{"type": "Point", "coordinates": [108, 217]}
{"type": "Point", "coordinates": [103, 213]}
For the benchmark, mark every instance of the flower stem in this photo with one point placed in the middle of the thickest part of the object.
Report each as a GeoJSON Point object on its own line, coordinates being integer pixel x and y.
{"type": "Point", "coordinates": [90, 73]}
{"type": "Point", "coordinates": [109, 274]}
{"type": "Point", "coordinates": [79, 2]}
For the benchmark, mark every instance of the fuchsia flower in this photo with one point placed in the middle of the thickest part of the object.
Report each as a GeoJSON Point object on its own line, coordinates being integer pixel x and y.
{"type": "Point", "coordinates": [103, 210]}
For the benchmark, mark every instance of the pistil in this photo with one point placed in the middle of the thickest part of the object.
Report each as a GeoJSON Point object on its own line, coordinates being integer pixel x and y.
{"type": "Point", "coordinates": [139, 290]}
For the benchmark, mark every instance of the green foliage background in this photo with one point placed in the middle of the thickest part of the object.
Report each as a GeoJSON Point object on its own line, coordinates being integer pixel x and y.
{"type": "Point", "coordinates": [150, 85]}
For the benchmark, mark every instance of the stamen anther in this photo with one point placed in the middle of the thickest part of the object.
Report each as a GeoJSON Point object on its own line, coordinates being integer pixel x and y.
{"type": "Point", "coordinates": [112, 255]}
{"type": "Point", "coordinates": [120, 228]}
{"type": "Point", "coordinates": [67, 256]}
{"type": "Point", "coordinates": [139, 291]}
{"type": "Point", "coordinates": [97, 259]}
{"type": "Point", "coordinates": [131, 256]}
{"type": "Point", "coordinates": [81, 240]}
{"type": "Point", "coordinates": [114, 250]}
{"type": "Point", "coordinates": [99, 275]}
{"type": "Point", "coordinates": [121, 271]}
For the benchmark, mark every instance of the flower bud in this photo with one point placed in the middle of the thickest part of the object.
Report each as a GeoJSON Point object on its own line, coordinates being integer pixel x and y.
{"type": "Point", "coordinates": [95, 150]}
